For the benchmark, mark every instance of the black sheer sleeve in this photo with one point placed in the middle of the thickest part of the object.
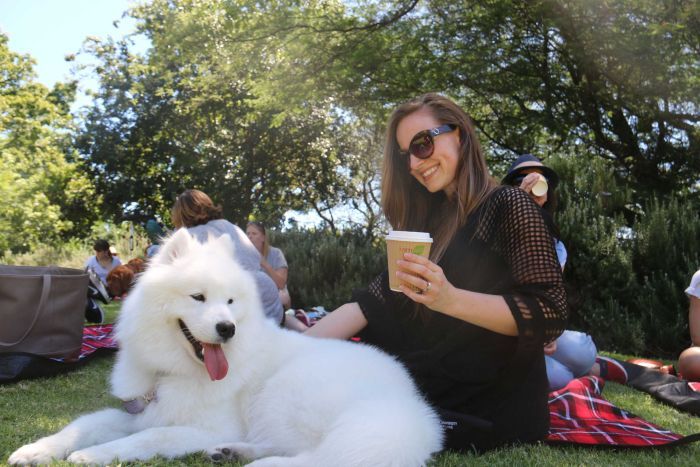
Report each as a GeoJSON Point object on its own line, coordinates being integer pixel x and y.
{"type": "Point", "coordinates": [513, 225]}
{"type": "Point", "coordinates": [378, 304]}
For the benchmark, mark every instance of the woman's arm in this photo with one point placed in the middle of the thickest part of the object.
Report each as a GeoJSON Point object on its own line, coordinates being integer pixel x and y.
{"type": "Point", "coordinates": [694, 320]}
{"type": "Point", "coordinates": [279, 276]}
{"type": "Point", "coordinates": [343, 323]}
{"type": "Point", "coordinates": [487, 311]}
{"type": "Point", "coordinates": [536, 304]}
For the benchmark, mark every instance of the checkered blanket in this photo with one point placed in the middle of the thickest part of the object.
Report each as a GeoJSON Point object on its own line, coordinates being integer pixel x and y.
{"type": "Point", "coordinates": [96, 337]}
{"type": "Point", "coordinates": [579, 415]}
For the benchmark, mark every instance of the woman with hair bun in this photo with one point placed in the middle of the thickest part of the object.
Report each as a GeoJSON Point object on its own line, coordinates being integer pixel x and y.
{"type": "Point", "coordinates": [196, 212]}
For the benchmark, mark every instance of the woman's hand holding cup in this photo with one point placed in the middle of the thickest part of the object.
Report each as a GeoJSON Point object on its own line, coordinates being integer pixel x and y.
{"type": "Point", "coordinates": [430, 286]}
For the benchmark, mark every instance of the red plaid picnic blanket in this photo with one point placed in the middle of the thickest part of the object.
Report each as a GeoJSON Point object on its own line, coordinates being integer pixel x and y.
{"type": "Point", "coordinates": [97, 336]}
{"type": "Point", "coordinates": [579, 415]}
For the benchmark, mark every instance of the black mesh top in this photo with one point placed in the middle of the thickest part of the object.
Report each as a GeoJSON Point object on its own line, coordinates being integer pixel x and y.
{"type": "Point", "coordinates": [505, 249]}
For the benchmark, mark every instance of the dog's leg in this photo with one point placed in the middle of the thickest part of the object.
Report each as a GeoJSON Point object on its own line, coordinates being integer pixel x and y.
{"type": "Point", "coordinates": [235, 451]}
{"type": "Point", "coordinates": [129, 379]}
{"type": "Point", "coordinates": [167, 441]}
{"type": "Point", "coordinates": [95, 428]}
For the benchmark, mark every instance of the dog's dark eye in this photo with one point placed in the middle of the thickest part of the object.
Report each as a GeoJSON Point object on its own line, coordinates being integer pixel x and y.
{"type": "Point", "coordinates": [230, 301]}
{"type": "Point", "coordinates": [198, 296]}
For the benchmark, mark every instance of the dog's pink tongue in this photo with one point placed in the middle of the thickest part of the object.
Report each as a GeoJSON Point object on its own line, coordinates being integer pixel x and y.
{"type": "Point", "coordinates": [215, 361]}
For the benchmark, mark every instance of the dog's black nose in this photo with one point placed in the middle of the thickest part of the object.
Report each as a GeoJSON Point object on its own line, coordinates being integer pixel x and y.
{"type": "Point", "coordinates": [226, 329]}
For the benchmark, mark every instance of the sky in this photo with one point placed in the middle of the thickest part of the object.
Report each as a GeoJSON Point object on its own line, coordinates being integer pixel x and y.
{"type": "Point", "coordinates": [48, 30]}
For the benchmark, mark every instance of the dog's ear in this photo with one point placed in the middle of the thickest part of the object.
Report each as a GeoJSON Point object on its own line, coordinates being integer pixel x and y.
{"type": "Point", "coordinates": [225, 242]}
{"type": "Point", "coordinates": [175, 246]}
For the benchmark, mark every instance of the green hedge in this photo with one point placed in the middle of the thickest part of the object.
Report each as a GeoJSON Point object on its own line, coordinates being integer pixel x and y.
{"type": "Point", "coordinates": [628, 264]}
{"type": "Point", "coordinates": [324, 269]}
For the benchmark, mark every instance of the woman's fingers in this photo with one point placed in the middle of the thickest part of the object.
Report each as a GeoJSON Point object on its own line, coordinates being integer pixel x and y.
{"type": "Point", "coordinates": [420, 283]}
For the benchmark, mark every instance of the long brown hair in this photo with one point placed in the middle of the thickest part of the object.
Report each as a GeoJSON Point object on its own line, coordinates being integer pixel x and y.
{"type": "Point", "coordinates": [194, 207]}
{"type": "Point", "coordinates": [407, 204]}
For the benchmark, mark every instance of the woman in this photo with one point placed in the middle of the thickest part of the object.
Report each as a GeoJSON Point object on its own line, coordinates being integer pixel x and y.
{"type": "Point", "coordinates": [689, 359]}
{"type": "Point", "coordinates": [195, 211]}
{"type": "Point", "coordinates": [574, 353]}
{"type": "Point", "coordinates": [272, 260]}
{"type": "Point", "coordinates": [488, 299]}
{"type": "Point", "coordinates": [103, 261]}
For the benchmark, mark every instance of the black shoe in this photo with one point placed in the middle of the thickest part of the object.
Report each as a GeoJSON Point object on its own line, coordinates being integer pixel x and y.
{"type": "Point", "coordinates": [93, 312]}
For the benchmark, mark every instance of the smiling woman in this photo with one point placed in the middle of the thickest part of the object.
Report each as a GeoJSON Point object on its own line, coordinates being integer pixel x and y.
{"type": "Point", "coordinates": [473, 320]}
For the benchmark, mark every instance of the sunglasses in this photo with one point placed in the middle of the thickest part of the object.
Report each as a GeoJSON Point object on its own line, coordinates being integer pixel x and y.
{"type": "Point", "coordinates": [519, 179]}
{"type": "Point", "coordinates": [423, 143]}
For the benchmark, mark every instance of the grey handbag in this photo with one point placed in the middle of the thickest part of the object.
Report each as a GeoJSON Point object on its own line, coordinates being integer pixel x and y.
{"type": "Point", "coordinates": [42, 310]}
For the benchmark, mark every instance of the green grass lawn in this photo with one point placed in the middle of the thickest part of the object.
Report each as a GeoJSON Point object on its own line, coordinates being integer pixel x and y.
{"type": "Point", "coordinates": [35, 408]}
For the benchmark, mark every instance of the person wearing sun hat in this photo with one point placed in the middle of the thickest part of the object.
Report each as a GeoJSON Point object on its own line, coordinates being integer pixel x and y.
{"type": "Point", "coordinates": [573, 354]}
{"type": "Point", "coordinates": [540, 182]}
{"type": "Point", "coordinates": [527, 172]}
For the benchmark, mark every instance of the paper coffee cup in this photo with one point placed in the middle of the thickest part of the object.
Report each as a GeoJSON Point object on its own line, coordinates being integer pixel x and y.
{"type": "Point", "coordinates": [399, 242]}
{"type": "Point", "coordinates": [540, 187]}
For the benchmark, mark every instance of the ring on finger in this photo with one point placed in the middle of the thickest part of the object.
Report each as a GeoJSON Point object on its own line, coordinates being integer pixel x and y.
{"type": "Point", "coordinates": [427, 287]}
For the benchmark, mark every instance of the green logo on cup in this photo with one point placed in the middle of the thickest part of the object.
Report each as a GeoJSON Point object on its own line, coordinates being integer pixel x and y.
{"type": "Point", "coordinates": [418, 249]}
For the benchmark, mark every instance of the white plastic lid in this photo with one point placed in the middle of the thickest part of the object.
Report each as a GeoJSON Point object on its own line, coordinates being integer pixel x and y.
{"type": "Point", "coordinates": [408, 236]}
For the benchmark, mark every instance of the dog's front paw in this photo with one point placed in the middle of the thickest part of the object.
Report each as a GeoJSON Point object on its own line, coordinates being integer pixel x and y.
{"type": "Point", "coordinates": [91, 455]}
{"type": "Point", "coordinates": [40, 452]}
{"type": "Point", "coordinates": [225, 452]}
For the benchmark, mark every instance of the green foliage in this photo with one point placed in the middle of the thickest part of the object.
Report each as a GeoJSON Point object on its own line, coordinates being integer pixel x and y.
{"type": "Point", "coordinates": [195, 113]}
{"type": "Point", "coordinates": [628, 265]}
{"type": "Point", "coordinates": [618, 79]}
{"type": "Point", "coordinates": [74, 253]}
{"type": "Point", "coordinates": [46, 197]}
{"type": "Point", "coordinates": [324, 268]}
{"type": "Point", "coordinates": [666, 254]}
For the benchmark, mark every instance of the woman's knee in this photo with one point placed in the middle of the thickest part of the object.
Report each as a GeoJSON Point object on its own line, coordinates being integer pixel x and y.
{"type": "Point", "coordinates": [577, 351]}
{"type": "Point", "coordinates": [558, 374]}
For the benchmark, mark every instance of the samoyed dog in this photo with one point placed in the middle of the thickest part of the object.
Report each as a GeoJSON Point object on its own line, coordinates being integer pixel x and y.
{"type": "Point", "coordinates": [200, 368]}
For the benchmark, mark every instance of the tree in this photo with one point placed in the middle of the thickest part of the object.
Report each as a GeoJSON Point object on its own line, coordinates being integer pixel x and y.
{"type": "Point", "coordinates": [46, 196]}
{"type": "Point", "coordinates": [189, 115]}
{"type": "Point", "coordinates": [618, 78]}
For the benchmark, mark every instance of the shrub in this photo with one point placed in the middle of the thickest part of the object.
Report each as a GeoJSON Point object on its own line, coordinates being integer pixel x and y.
{"type": "Point", "coordinates": [628, 264]}
{"type": "Point", "coordinates": [75, 252]}
{"type": "Point", "coordinates": [324, 268]}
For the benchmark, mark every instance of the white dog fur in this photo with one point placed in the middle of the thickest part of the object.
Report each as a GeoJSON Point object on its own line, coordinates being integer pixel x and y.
{"type": "Point", "coordinates": [285, 400]}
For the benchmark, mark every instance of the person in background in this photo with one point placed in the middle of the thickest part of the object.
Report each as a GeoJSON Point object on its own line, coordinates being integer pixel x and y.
{"type": "Point", "coordinates": [573, 354]}
{"type": "Point", "coordinates": [155, 233]}
{"type": "Point", "coordinates": [472, 322]}
{"type": "Point", "coordinates": [689, 359]}
{"type": "Point", "coordinates": [103, 261]}
{"type": "Point", "coordinates": [98, 267]}
{"type": "Point", "coordinates": [196, 212]}
{"type": "Point", "coordinates": [272, 260]}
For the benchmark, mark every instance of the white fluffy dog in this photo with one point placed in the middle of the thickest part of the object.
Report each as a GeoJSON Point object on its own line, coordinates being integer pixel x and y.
{"type": "Point", "coordinates": [201, 366]}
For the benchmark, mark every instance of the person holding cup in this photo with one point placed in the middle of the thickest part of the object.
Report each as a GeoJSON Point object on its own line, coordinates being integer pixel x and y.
{"type": "Point", "coordinates": [573, 354]}
{"type": "Point", "coordinates": [539, 181]}
{"type": "Point", "coordinates": [471, 318]}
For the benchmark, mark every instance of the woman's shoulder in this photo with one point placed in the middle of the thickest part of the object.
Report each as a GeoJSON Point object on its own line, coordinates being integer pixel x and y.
{"type": "Point", "coordinates": [502, 199]}
{"type": "Point", "coordinates": [507, 195]}
{"type": "Point", "coordinates": [275, 251]}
